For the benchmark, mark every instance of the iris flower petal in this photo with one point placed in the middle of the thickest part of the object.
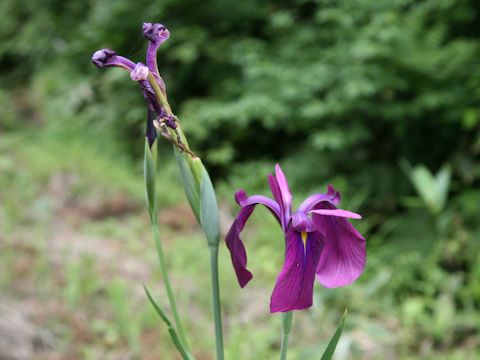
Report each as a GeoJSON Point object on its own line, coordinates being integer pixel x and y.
{"type": "Point", "coordinates": [277, 195]}
{"type": "Point", "coordinates": [107, 57]}
{"type": "Point", "coordinates": [234, 243]}
{"type": "Point", "coordinates": [294, 286]}
{"type": "Point", "coordinates": [333, 194]}
{"type": "Point", "coordinates": [242, 200]}
{"type": "Point", "coordinates": [301, 222]}
{"type": "Point", "coordinates": [281, 194]}
{"type": "Point", "coordinates": [150, 131]}
{"type": "Point", "coordinates": [236, 247]}
{"type": "Point", "coordinates": [284, 190]}
{"type": "Point", "coordinates": [140, 72]}
{"type": "Point", "coordinates": [337, 212]}
{"type": "Point", "coordinates": [343, 257]}
{"type": "Point", "coordinates": [313, 201]}
{"type": "Point", "coordinates": [156, 34]}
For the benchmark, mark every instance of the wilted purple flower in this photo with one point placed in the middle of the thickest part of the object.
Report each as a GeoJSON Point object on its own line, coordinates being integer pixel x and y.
{"type": "Point", "coordinates": [140, 72]}
{"type": "Point", "coordinates": [107, 57]}
{"type": "Point", "coordinates": [324, 245]}
{"type": "Point", "coordinates": [156, 34]}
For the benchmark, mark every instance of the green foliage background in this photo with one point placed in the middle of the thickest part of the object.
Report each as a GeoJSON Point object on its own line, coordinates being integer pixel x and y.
{"type": "Point", "coordinates": [339, 92]}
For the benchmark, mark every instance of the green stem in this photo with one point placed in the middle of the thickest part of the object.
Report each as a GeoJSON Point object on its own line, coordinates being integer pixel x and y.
{"type": "Point", "coordinates": [168, 287]}
{"type": "Point", "coordinates": [217, 318]}
{"type": "Point", "coordinates": [287, 326]}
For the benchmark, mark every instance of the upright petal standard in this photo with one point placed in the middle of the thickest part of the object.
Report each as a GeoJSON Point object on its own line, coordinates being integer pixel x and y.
{"type": "Point", "coordinates": [319, 242]}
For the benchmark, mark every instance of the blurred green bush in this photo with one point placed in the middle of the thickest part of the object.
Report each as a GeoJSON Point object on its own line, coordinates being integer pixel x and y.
{"type": "Point", "coordinates": [346, 87]}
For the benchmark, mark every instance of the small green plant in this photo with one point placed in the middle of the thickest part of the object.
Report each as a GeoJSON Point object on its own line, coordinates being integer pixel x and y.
{"type": "Point", "coordinates": [432, 189]}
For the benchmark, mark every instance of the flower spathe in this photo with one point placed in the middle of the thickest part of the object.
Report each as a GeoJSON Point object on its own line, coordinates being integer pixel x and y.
{"type": "Point", "coordinates": [319, 242]}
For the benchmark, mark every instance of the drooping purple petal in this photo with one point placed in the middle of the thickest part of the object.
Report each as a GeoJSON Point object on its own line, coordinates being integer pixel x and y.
{"type": "Point", "coordinates": [343, 257]}
{"type": "Point", "coordinates": [107, 57]}
{"type": "Point", "coordinates": [234, 243]}
{"type": "Point", "coordinates": [236, 247]}
{"type": "Point", "coordinates": [294, 286]}
{"type": "Point", "coordinates": [242, 200]}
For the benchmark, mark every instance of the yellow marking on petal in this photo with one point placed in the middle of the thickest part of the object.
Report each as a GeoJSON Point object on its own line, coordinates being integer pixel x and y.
{"type": "Point", "coordinates": [304, 239]}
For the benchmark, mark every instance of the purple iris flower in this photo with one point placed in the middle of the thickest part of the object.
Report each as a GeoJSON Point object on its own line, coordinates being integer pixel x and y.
{"type": "Point", "coordinates": [156, 34]}
{"type": "Point", "coordinates": [324, 245]}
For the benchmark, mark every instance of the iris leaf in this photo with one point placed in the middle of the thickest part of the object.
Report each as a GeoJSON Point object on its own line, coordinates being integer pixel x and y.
{"type": "Point", "coordinates": [173, 334]}
{"type": "Point", "coordinates": [327, 355]}
{"type": "Point", "coordinates": [150, 169]}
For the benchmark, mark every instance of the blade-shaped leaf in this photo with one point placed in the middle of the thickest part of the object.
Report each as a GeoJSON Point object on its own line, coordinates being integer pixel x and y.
{"type": "Point", "coordinates": [327, 355]}
{"type": "Point", "coordinates": [173, 334]}
{"type": "Point", "coordinates": [433, 190]}
{"type": "Point", "coordinates": [209, 210]}
{"type": "Point", "coordinates": [150, 170]}
{"type": "Point", "coordinates": [442, 182]}
{"type": "Point", "coordinates": [424, 183]}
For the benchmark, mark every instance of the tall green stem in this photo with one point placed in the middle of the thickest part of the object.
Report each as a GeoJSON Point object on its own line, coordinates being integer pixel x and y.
{"type": "Point", "coordinates": [287, 326]}
{"type": "Point", "coordinates": [217, 318]}
{"type": "Point", "coordinates": [168, 287]}
{"type": "Point", "coordinates": [150, 170]}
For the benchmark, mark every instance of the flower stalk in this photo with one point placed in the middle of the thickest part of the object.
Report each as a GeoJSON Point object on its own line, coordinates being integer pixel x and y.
{"type": "Point", "coordinates": [168, 287]}
{"type": "Point", "coordinates": [217, 316]}
{"type": "Point", "coordinates": [287, 327]}
{"type": "Point", "coordinates": [205, 209]}
{"type": "Point", "coordinates": [150, 166]}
